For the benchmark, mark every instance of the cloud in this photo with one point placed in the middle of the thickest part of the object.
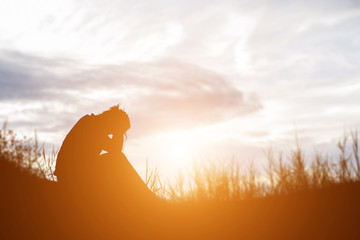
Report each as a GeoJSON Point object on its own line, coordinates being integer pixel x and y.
{"type": "Point", "coordinates": [159, 96]}
{"type": "Point", "coordinates": [19, 82]}
{"type": "Point", "coordinates": [175, 95]}
{"type": "Point", "coordinates": [28, 77]}
{"type": "Point", "coordinates": [169, 94]}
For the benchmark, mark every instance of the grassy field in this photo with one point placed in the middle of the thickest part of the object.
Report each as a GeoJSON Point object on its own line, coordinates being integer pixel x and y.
{"type": "Point", "coordinates": [291, 199]}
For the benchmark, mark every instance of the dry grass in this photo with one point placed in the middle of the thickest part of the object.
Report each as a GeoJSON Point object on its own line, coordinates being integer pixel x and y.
{"type": "Point", "coordinates": [27, 154]}
{"type": "Point", "coordinates": [218, 180]}
{"type": "Point", "coordinates": [228, 181]}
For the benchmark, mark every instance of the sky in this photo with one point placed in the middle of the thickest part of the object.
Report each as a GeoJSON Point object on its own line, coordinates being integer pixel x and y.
{"type": "Point", "coordinates": [199, 79]}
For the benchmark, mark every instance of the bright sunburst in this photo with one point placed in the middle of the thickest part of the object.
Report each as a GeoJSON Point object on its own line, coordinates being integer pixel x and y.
{"type": "Point", "coordinates": [180, 154]}
{"type": "Point", "coordinates": [179, 149]}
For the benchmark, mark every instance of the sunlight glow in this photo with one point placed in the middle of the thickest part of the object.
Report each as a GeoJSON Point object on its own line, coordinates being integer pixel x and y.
{"type": "Point", "coordinates": [180, 154]}
{"type": "Point", "coordinates": [178, 148]}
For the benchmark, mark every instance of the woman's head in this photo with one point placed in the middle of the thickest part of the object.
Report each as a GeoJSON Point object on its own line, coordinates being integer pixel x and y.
{"type": "Point", "coordinates": [115, 120]}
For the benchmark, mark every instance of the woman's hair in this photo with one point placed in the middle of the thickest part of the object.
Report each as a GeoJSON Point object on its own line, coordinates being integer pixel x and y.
{"type": "Point", "coordinates": [118, 118]}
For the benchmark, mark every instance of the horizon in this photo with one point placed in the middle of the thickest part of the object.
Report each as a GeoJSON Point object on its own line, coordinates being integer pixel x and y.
{"type": "Point", "coordinates": [197, 79]}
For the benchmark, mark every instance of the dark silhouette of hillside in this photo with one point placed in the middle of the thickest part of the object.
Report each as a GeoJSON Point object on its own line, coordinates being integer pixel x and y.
{"type": "Point", "coordinates": [111, 207]}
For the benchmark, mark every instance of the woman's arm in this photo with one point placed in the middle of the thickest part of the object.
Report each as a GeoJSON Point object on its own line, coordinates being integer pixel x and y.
{"type": "Point", "coordinates": [114, 144]}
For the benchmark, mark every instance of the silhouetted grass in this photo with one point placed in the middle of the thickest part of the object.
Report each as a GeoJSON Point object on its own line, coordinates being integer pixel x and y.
{"type": "Point", "coordinates": [215, 180]}
{"type": "Point", "coordinates": [26, 154]}
{"type": "Point", "coordinates": [228, 181]}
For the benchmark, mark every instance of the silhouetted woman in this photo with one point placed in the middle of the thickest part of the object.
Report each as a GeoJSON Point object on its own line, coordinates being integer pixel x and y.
{"type": "Point", "coordinates": [85, 141]}
{"type": "Point", "coordinates": [80, 166]}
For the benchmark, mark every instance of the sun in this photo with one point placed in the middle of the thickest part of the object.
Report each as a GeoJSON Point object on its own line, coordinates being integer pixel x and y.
{"type": "Point", "coordinates": [178, 150]}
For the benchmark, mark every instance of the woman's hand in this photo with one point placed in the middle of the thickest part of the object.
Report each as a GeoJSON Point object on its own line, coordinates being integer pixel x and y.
{"type": "Point", "coordinates": [115, 144]}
